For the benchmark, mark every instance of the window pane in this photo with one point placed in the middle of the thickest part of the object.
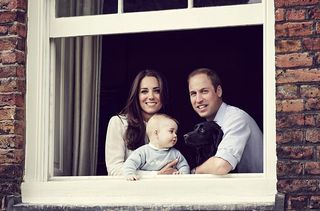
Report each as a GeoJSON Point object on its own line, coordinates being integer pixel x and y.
{"type": "Point", "coordinates": [208, 3]}
{"type": "Point", "coordinates": [235, 52]}
{"type": "Point", "coordinates": [69, 8]}
{"type": "Point", "coordinates": [149, 5]}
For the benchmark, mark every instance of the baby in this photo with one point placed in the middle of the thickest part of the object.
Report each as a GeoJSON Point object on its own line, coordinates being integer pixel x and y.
{"type": "Point", "coordinates": [161, 130]}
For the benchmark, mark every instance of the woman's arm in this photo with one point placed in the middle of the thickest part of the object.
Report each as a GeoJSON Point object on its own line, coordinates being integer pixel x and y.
{"type": "Point", "coordinates": [115, 148]}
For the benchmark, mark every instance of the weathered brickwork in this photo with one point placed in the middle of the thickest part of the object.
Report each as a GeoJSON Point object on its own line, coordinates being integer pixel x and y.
{"type": "Point", "coordinates": [12, 103]}
{"type": "Point", "coordinates": [297, 29]}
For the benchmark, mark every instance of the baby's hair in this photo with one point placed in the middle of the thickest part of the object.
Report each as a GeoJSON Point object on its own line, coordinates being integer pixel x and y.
{"type": "Point", "coordinates": [153, 122]}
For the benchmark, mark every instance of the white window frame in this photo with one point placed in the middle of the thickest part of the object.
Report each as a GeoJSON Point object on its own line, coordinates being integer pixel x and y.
{"type": "Point", "coordinates": [39, 186]}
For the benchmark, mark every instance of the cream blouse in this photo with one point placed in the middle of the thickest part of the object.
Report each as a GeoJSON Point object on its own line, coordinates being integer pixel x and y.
{"type": "Point", "coordinates": [116, 151]}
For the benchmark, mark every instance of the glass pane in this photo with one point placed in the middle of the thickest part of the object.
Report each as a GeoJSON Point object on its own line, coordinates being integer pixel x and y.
{"type": "Point", "coordinates": [208, 3]}
{"type": "Point", "coordinates": [69, 8]}
{"type": "Point", "coordinates": [150, 5]}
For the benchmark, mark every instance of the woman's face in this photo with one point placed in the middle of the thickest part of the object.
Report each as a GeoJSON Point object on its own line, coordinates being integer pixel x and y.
{"type": "Point", "coordinates": [149, 96]}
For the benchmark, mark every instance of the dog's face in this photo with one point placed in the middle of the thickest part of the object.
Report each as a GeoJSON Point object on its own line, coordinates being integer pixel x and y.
{"type": "Point", "coordinates": [204, 133]}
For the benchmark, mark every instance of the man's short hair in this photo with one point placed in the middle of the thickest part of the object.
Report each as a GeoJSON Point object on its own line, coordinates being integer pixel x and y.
{"type": "Point", "coordinates": [213, 76]}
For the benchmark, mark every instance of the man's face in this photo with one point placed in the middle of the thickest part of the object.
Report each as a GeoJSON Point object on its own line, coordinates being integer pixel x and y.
{"type": "Point", "coordinates": [204, 98]}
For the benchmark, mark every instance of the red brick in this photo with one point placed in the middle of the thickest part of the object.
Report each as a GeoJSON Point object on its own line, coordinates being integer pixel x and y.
{"type": "Point", "coordinates": [12, 85]}
{"type": "Point", "coordinates": [7, 16]}
{"type": "Point", "coordinates": [314, 202]}
{"type": "Point", "coordinates": [11, 99]}
{"type": "Point", "coordinates": [285, 46]}
{"type": "Point", "coordinates": [310, 120]}
{"type": "Point", "coordinates": [311, 44]}
{"type": "Point", "coordinates": [294, 60]}
{"type": "Point", "coordinates": [7, 113]}
{"type": "Point", "coordinates": [13, 57]}
{"type": "Point", "coordinates": [10, 188]}
{"type": "Point", "coordinates": [3, 30]}
{"type": "Point", "coordinates": [299, 75]}
{"type": "Point", "coordinates": [296, 14]}
{"type": "Point", "coordinates": [318, 152]}
{"type": "Point", "coordinates": [309, 91]}
{"type": "Point", "coordinates": [297, 185]}
{"type": "Point", "coordinates": [12, 71]}
{"type": "Point", "coordinates": [11, 142]}
{"type": "Point", "coordinates": [11, 113]}
{"type": "Point", "coordinates": [11, 156]}
{"type": "Point", "coordinates": [292, 105]}
{"type": "Point", "coordinates": [280, 14]}
{"type": "Point", "coordinates": [313, 135]}
{"type": "Point", "coordinates": [290, 136]}
{"type": "Point", "coordinates": [11, 127]}
{"type": "Point", "coordinates": [312, 168]}
{"type": "Point", "coordinates": [312, 104]}
{"type": "Point", "coordinates": [297, 202]}
{"type": "Point", "coordinates": [295, 152]}
{"type": "Point", "coordinates": [287, 91]}
{"type": "Point", "coordinates": [13, 4]}
{"type": "Point", "coordinates": [318, 58]}
{"type": "Point", "coordinates": [318, 28]}
{"type": "Point", "coordinates": [291, 120]}
{"type": "Point", "coordinates": [317, 119]}
{"type": "Point", "coordinates": [18, 29]}
{"type": "Point", "coordinates": [11, 171]}
{"type": "Point", "coordinates": [288, 3]}
{"type": "Point", "coordinates": [8, 43]}
{"type": "Point", "coordinates": [315, 13]}
{"type": "Point", "coordinates": [293, 29]}
{"type": "Point", "coordinates": [281, 30]}
{"type": "Point", "coordinates": [289, 168]}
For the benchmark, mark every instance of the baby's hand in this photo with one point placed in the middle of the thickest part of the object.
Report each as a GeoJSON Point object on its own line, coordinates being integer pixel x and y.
{"type": "Point", "coordinates": [132, 177]}
{"type": "Point", "coordinates": [177, 172]}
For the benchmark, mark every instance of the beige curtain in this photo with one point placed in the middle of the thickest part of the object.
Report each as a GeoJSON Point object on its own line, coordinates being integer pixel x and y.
{"type": "Point", "coordinates": [77, 97]}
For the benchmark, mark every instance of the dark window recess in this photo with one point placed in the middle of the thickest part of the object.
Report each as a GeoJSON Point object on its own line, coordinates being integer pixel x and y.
{"type": "Point", "coordinates": [151, 5]}
{"type": "Point", "coordinates": [208, 3]}
{"type": "Point", "coordinates": [235, 52]}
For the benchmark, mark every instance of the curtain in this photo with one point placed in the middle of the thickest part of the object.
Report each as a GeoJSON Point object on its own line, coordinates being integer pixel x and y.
{"type": "Point", "coordinates": [78, 64]}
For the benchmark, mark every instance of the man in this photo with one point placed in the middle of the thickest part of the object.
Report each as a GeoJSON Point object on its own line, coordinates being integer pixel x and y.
{"type": "Point", "coordinates": [241, 147]}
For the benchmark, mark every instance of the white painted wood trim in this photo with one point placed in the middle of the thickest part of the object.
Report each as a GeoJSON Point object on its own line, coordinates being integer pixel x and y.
{"type": "Point", "coordinates": [173, 189]}
{"type": "Point", "coordinates": [38, 187]}
{"type": "Point", "coordinates": [37, 93]}
{"type": "Point", "coordinates": [195, 18]}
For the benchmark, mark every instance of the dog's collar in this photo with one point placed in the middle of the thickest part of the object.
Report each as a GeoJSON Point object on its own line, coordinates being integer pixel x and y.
{"type": "Point", "coordinates": [156, 148]}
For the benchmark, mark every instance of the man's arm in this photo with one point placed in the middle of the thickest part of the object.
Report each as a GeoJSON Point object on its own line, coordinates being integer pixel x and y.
{"type": "Point", "coordinates": [214, 165]}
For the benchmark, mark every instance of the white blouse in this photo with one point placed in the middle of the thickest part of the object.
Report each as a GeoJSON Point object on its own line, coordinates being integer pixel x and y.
{"type": "Point", "coordinates": [116, 151]}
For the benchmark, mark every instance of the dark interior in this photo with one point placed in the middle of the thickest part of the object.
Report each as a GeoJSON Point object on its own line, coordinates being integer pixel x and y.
{"type": "Point", "coordinates": [236, 53]}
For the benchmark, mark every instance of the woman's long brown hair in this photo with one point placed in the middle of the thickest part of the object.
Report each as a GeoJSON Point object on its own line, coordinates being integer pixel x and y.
{"type": "Point", "coordinates": [136, 131]}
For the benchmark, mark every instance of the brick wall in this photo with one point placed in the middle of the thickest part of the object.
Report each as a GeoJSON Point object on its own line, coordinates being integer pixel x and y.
{"type": "Point", "coordinates": [12, 105]}
{"type": "Point", "coordinates": [298, 102]}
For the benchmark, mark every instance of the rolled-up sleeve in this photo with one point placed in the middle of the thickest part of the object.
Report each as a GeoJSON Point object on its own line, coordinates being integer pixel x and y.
{"type": "Point", "coordinates": [236, 134]}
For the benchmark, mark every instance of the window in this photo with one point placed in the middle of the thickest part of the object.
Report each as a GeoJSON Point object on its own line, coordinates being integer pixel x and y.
{"type": "Point", "coordinates": [49, 35]}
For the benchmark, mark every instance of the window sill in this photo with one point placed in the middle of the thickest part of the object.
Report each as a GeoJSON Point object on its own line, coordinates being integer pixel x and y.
{"type": "Point", "coordinates": [161, 190]}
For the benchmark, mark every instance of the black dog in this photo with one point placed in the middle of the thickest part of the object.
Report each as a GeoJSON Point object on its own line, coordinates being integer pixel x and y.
{"type": "Point", "coordinates": [205, 138]}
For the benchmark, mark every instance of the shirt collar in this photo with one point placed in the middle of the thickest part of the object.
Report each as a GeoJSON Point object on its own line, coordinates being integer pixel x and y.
{"type": "Point", "coordinates": [156, 148]}
{"type": "Point", "coordinates": [220, 114]}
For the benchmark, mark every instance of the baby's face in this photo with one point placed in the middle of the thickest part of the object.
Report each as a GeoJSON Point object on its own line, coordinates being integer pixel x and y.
{"type": "Point", "coordinates": [167, 133]}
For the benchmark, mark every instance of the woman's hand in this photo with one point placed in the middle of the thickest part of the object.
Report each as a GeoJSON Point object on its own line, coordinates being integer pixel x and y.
{"type": "Point", "coordinates": [170, 168]}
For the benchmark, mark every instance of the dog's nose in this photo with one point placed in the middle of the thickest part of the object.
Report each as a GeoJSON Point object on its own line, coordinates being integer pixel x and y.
{"type": "Point", "coordinates": [185, 136]}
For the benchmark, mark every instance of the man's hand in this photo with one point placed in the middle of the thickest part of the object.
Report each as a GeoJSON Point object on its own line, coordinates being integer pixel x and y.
{"type": "Point", "coordinates": [170, 168]}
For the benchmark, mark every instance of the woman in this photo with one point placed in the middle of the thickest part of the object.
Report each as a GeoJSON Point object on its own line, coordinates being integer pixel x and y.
{"type": "Point", "coordinates": [126, 131]}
